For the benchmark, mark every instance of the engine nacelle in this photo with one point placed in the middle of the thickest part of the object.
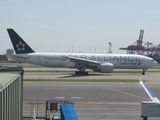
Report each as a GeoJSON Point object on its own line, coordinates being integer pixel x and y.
{"type": "Point", "coordinates": [106, 68]}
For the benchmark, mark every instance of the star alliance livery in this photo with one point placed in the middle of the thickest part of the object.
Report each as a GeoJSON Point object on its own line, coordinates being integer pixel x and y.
{"type": "Point", "coordinates": [104, 63]}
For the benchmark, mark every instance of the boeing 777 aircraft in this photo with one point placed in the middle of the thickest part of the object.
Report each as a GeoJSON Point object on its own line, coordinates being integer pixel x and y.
{"type": "Point", "coordinates": [104, 63]}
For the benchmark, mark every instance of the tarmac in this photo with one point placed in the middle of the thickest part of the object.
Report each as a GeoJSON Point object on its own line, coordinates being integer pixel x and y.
{"type": "Point", "coordinates": [92, 101]}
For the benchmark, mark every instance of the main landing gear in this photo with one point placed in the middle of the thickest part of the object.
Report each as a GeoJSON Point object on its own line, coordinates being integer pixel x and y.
{"type": "Point", "coordinates": [81, 73]}
{"type": "Point", "coordinates": [143, 72]}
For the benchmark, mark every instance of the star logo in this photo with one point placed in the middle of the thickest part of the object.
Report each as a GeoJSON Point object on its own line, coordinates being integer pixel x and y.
{"type": "Point", "coordinates": [20, 46]}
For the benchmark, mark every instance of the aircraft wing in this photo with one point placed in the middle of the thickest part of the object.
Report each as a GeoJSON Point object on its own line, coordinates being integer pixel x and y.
{"type": "Point", "coordinates": [82, 61]}
{"type": "Point", "coordinates": [150, 93]}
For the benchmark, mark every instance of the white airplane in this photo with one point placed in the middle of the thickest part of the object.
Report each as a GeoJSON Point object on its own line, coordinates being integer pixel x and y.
{"type": "Point", "coordinates": [104, 63]}
{"type": "Point", "coordinates": [150, 93]}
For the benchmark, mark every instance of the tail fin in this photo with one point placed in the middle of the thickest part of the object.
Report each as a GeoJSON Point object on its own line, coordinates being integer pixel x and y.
{"type": "Point", "coordinates": [20, 46]}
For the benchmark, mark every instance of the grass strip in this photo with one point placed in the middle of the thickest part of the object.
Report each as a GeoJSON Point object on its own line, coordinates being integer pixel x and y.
{"type": "Point", "coordinates": [84, 80]}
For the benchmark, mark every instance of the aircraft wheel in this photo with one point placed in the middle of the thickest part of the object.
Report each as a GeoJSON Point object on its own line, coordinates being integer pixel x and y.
{"type": "Point", "coordinates": [85, 73]}
{"type": "Point", "coordinates": [143, 73]}
{"type": "Point", "coordinates": [81, 73]}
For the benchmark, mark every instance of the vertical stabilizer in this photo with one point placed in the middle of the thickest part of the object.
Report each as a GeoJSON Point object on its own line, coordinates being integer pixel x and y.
{"type": "Point", "coordinates": [20, 46]}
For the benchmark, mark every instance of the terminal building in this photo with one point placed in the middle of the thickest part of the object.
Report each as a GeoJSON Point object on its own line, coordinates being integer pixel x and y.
{"type": "Point", "coordinates": [11, 93]}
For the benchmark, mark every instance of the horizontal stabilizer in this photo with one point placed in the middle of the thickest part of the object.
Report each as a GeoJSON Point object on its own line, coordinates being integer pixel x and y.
{"type": "Point", "coordinates": [16, 56]}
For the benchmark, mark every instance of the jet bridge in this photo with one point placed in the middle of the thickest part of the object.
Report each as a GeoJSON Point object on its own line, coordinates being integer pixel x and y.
{"type": "Point", "coordinates": [11, 93]}
{"type": "Point", "coordinates": [150, 108]}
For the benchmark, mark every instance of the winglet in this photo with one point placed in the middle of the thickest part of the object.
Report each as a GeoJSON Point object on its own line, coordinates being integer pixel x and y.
{"type": "Point", "coordinates": [150, 93]}
{"type": "Point", "coordinates": [20, 46]}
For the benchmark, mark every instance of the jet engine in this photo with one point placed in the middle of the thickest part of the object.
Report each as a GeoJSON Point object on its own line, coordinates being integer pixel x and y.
{"type": "Point", "coordinates": [105, 68]}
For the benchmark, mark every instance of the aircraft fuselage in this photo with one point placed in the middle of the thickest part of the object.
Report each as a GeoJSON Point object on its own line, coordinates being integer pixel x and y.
{"type": "Point", "coordinates": [120, 61]}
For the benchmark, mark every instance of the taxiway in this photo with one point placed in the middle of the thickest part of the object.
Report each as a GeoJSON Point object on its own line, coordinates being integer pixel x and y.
{"type": "Point", "coordinates": [95, 101]}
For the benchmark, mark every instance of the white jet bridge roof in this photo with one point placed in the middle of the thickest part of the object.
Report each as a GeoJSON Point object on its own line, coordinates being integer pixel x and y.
{"type": "Point", "coordinates": [6, 79]}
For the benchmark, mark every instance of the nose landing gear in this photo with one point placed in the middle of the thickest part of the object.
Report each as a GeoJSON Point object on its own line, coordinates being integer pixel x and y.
{"type": "Point", "coordinates": [143, 72]}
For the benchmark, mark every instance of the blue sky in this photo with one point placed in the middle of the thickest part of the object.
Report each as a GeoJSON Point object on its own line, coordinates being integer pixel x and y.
{"type": "Point", "coordinates": [84, 25]}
